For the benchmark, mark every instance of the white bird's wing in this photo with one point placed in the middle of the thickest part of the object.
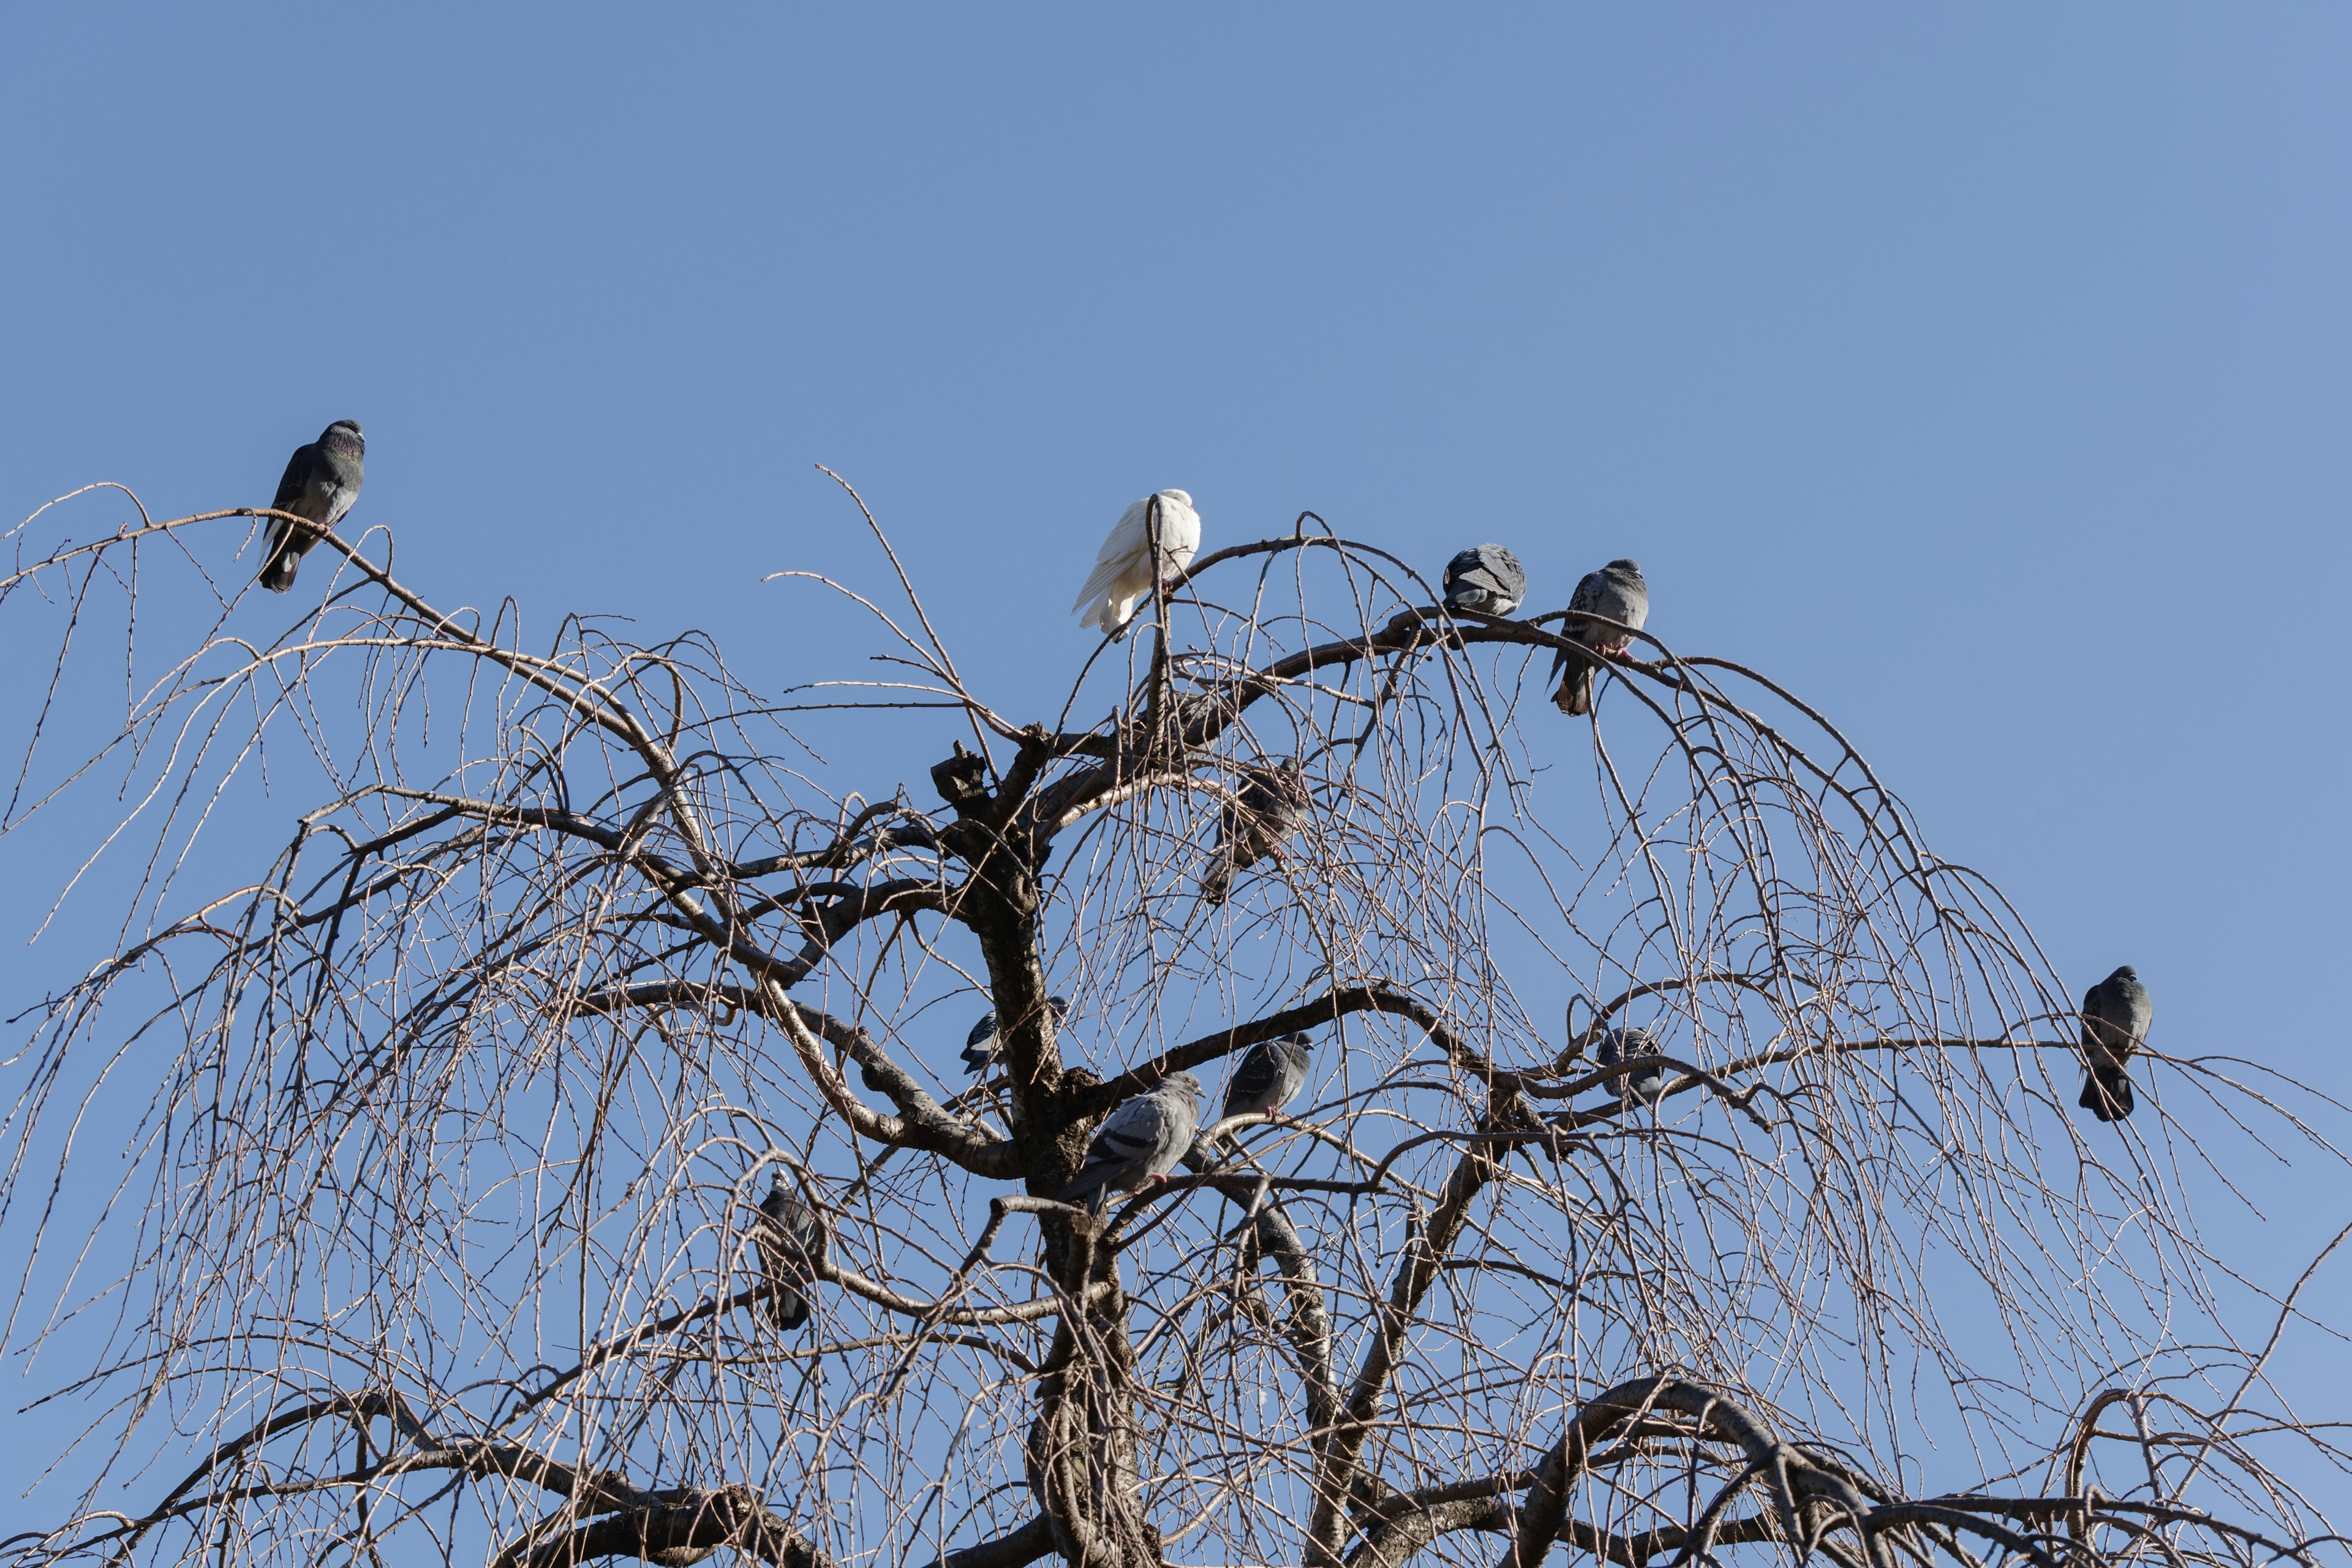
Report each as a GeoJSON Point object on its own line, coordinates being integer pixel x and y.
{"type": "Point", "coordinates": [1118, 564]}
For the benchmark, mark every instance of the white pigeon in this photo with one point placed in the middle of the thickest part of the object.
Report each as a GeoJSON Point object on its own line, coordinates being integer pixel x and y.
{"type": "Point", "coordinates": [1122, 574]}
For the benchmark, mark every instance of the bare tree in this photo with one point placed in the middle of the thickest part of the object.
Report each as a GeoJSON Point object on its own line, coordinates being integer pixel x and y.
{"type": "Point", "coordinates": [440, 1234]}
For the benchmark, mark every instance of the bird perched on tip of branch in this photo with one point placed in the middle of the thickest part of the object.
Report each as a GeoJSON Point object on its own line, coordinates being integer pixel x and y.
{"type": "Point", "coordinates": [1123, 570]}
{"type": "Point", "coordinates": [980, 1045]}
{"type": "Point", "coordinates": [1139, 1143]}
{"type": "Point", "coordinates": [1643, 1085]}
{"type": "Point", "coordinates": [1616, 592]}
{"type": "Point", "coordinates": [1270, 1075]}
{"type": "Point", "coordinates": [1487, 578]}
{"type": "Point", "coordinates": [1250, 829]}
{"type": "Point", "coordinates": [321, 481]}
{"type": "Point", "coordinates": [2116, 1015]}
{"type": "Point", "coordinates": [791, 1245]}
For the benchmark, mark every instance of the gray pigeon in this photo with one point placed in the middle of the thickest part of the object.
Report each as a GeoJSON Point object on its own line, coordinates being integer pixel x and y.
{"type": "Point", "coordinates": [1645, 1086]}
{"type": "Point", "coordinates": [1272, 803]}
{"type": "Point", "coordinates": [980, 1045]}
{"type": "Point", "coordinates": [1139, 1143]}
{"type": "Point", "coordinates": [792, 1246]}
{"type": "Point", "coordinates": [1270, 1077]}
{"type": "Point", "coordinates": [2115, 1015]}
{"type": "Point", "coordinates": [1487, 578]}
{"type": "Point", "coordinates": [1616, 592]}
{"type": "Point", "coordinates": [322, 480]}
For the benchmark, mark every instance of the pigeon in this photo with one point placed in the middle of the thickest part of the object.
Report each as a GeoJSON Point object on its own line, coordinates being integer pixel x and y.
{"type": "Point", "coordinates": [1122, 574]}
{"type": "Point", "coordinates": [791, 1245]}
{"type": "Point", "coordinates": [1487, 578]}
{"type": "Point", "coordinates": [980, 1045]}
{"type": "Point", "coordinates": [1139, 1143]}
{"type": "Point", "coordinates": [322, 480]}
{"type": "Point", "coordinates": [1646, 1086]}
{"type": "Point", "coordinates": [1616, 592]}
{"type": "Point", "coordinates": [2115, 1014]}
{"type": "Point", "coordinates": [1271, 1074]}
{"type": "Point", "coordinates": [1250, 829]}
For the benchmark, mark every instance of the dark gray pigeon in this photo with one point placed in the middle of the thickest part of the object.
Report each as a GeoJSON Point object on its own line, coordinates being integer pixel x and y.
{"type": "Point", "coordinates": [1139, 1143]}
{"type": "Point", "coordinates": [1273, 802]}
{"type": "Point", "coordinates": [792, 1246]}
{"type": "Point", "coordinates": [2115, 1015]}
{"type": "Point", "coordinates": [1617, 591]}
{"type": "Point", "coordinates": [321, 481]}
{"type": "Point", "coordinates": [1271, 1075]}
{"type": "Point", "coordinates": [980, 1045]}
{"type": "Point", "coordinates": [1487, 578]}
{"type": "Point", "coordinates": [1645, 1086]}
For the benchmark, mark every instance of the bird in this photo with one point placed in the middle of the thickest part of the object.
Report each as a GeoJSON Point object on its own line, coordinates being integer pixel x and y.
{"type": "Point", "coordinates": [1271, 1074]}
{"type": "Point", "coordinates": [1616, 592]}
{"type": "Point", "coordinates": [980, 1045]}
{"type": "Point", "coordinates": [1139, 1143]}
{"type": "Point", "coordinates": [1252, 827]}
{"type": "Point", "coordinates": [1487, 578]}
{"type": "Point", "coordinates": [2115, 1015]}
{"type": "Point", "coordinates": [1123, 569]}
{"type": "Point", "coordinates": [1645, 1086]}
{"type": "Point", "coordinates": [792, 1246]}
{"type": "Point", "coordinates": [322, 480]}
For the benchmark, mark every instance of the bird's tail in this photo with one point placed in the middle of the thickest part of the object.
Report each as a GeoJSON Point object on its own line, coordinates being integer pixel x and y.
{"type": "Point", "coordinates": [1574, 697]}
{"type": "Point", "coordinates": [1217, 878]}
{"type": "Point", "coordinates": [790, 1307]}
{"type": "Point", "coordinates": [976, 1060]}
{"type": "Point", "coordinates": [278, 573]}
{"type": "Point", "coordinates": [1092, 1185]}
{"type": "Point", "coordinates": [2106, 1092]}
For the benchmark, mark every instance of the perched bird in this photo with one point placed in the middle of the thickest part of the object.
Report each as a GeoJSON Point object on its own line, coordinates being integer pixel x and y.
{"type": "Point", "coordinates": [1645, 1086]}
{"type": "Point", "coordinates": [980, 1045]}
{"type": "Point", "coordinates": [1617, 591]}
{"type": "Point", "coordinates": [1123, 570]}
{"type": "Point", "coordinates": [1272, 803]}
{"type": "Point", "coordinates": [791, 1245]}
{"type": "Point", "coordinates": [1487, 578]}
{"type": "Point", "coordinates": [1271, 1075]}
{"type": "Point", "coordinates": [321, 481]}
{"type": "Point", "coordinates": [1139, 1143]}
{"type": "Point", "coordinates": [2115, 1014]}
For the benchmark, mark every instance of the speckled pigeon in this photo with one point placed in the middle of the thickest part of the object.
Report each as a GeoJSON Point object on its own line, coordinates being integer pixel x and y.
{"type": "Point", "coordinates": [791, 1245]}
{"type": "Point", "coordinates": [1487, 578]}
{"type": "Point", "coordinates": [1122, 575]}
{"type": "Point", "coordinates": [1273, 802]}
{"type": "Point", "coordinates": [2115, 1015]}
{"type": "Point", "coordinates": [322, 480]}
{"type": "Point", "coordinates": [1617, 591]}
{"type": "Point", "coordinates": [1645, 1086]}
{"type": "Point", "coordinates": [980, 1045]}
{"type": "Point", "coordinates": [1139, 1143]}
{"type": "Point", "coordinates": [1270, 1075]}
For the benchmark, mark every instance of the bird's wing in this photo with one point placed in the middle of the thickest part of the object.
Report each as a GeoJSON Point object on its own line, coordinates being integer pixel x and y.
{"type": "Point", "coordinates": [1125, 539]}
{"type": "Point", "coordinates": [1253, 1080]}
{"type": "Point", "coordinates": [297, 479]}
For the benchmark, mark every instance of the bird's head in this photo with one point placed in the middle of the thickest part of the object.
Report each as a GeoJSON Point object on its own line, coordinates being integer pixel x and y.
{"type": "Point", "coordinates": [343, 433]}
{"type": "Point", "coordinates": [2125, 973]}
{"type": "Point", "coordinates": [1631, 568]}
{"type": "Point", "coordinates": [1182, 1083]}
{"type": "Point", "coordinates": [1181, 498]}
{"type": "Point", "coordinates": [1298, 1045]}
{"type": "Point", "coordinates": [1061, 1007]}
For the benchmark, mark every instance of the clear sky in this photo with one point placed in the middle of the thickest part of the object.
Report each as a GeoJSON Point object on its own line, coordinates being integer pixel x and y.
{"type": "Point", "coordinates": [1984, 374]}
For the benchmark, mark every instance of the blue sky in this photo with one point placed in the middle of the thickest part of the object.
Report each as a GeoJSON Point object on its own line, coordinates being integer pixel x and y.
{"type": "Point", "coordinates": [1983, 374]}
